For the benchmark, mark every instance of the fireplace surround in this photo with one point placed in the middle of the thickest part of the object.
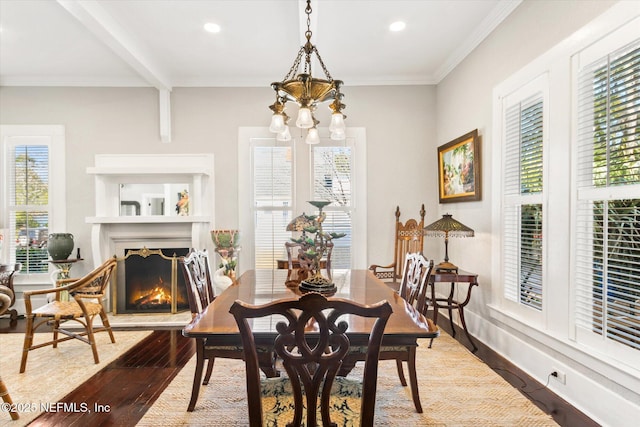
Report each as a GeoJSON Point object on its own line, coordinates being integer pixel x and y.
{"type": "Point", "coordinates": [113, 232]}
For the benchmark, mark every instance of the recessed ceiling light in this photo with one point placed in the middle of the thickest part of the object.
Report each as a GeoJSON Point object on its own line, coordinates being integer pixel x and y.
{"type": "Point", "coordinates": [397, 26]}
{"type": "Point", "coordinates": [211, 27]}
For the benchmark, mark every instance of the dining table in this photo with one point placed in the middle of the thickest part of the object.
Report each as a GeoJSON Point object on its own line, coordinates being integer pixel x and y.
{"type": "Point", "coordinates": [216, 326]}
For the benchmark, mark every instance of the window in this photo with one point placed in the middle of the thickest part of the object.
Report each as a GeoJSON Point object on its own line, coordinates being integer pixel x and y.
{"type": "Point", "coordinates": [522, 187]}
{"type": "Point", "coordinates": [33, 159]}
{"type": "Point", "coordinates": [281, 177]}
{"type": "Point", "coordinates": [608, 204]}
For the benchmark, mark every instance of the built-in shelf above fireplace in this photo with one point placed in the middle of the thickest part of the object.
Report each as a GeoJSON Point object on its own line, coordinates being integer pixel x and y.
{"type": "Point", "coordinates": [112, 230]}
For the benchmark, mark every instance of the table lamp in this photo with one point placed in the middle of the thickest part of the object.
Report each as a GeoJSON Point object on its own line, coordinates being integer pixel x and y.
{"type": "Point", "coordinates": [447, 226]}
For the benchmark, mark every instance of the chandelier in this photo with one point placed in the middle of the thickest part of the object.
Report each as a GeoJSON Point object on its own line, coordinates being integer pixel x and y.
{"type": "Point", "coordinates": [307, 91]}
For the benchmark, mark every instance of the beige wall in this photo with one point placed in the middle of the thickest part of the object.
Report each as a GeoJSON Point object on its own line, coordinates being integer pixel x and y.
{"type": "Point", "coordinates": [399, 121]}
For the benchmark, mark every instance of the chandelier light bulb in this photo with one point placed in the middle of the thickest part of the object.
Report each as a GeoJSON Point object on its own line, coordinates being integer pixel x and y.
{"type": "Point", "coordinates": [337, 122]}
{"type": "Point", "coordinates": [305, 119]}
{"type": "Point", "coordinates": [285, 135]}
{"type": "Point", "coordinates": [312, 137]}
{"type": "Point", "coordinates": [277, 123]}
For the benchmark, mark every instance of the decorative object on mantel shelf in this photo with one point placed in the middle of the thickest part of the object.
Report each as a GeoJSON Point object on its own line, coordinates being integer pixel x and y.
{"type": "Point", "coordinates": [447, 226]}
{"type": "Point", "coordinates": [307, 91]}
{"type": "Point", "coordinates": [60, 246]}
{"type": "Point", "coordinates": [227, 244]}
{"type": "Point", "coordinates": [314, 249]}
{"type": "Point", "coordinates": [182, 207]}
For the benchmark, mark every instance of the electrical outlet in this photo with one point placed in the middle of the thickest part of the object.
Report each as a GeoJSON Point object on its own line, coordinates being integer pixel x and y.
{"type": "Point", "coordinates": [559, 375]}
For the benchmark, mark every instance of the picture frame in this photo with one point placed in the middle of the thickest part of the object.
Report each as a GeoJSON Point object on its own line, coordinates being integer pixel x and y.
{"type": "Point", "coordinates": [459, 169]}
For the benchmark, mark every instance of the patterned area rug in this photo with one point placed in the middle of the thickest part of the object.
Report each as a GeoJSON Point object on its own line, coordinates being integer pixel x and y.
{"type": "Point", "coordinates": [456, 389]}
{"type": "Point", "coordinates": [52, 373]}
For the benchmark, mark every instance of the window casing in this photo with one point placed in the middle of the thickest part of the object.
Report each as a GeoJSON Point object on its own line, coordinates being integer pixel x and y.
{"type": "Point", "coordinates": [32, 195]}
{"type": "Point", "coordinates": [607, 266]}
{"type": "Point", "coordinates": [523, 209]}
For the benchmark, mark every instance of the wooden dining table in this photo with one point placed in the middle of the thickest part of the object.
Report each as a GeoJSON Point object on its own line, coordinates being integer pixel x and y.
{"type": "Point", "coordinates": [216, 326]}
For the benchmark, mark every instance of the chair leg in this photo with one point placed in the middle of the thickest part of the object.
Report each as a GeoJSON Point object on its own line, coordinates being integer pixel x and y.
{"type": "Point", "coordinates": [107, 325]}
{"type": "Point", "coordinates": [28, 342]}
{"type": "Point", "coordinates": [56, 326]}
{"type": "Point", "coordinates": [403, 381]}
{"type": "Point", "coordinates": [207, 375]}
{"type": "Point", "coordinates": [7, 399]}
{"type": "Point", "coordinates": [197, 376]}
{"type": "Point", "coordinates": [92, 340]}
{"type": "Point", "coordinates": [413, 379]}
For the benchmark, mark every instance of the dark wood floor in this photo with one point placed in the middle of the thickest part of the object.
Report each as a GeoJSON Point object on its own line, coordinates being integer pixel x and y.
{"type": "Point", "coordinates": [126, 388]}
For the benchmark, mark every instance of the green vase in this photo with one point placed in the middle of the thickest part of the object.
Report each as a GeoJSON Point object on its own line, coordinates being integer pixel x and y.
{"type": "Point", "coordinates": [60, 246]}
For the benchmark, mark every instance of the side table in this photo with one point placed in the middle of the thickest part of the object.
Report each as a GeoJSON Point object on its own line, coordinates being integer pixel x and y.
{"type": "Point", "coordinates": [450, 303]}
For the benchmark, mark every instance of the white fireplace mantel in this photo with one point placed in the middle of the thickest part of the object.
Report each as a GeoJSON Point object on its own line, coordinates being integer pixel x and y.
{"type": "Point", "coordinates": [109, 227]}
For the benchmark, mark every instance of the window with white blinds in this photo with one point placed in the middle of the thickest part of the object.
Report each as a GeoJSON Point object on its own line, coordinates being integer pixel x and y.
{"type": "Point", "coordinates": [522, 211]}
{"type": "Point", "coordinates": [28, 207]}
{"type": "Point", "coordinates": [607, 299]}
{"type": "Point", "coordinates": [277, 179]}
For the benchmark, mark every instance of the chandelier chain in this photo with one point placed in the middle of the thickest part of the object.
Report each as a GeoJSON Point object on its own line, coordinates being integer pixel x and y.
{"type": "Point", "coordinates": [294, 68]}
{"type": "Point", "coordinates": [324, 67]}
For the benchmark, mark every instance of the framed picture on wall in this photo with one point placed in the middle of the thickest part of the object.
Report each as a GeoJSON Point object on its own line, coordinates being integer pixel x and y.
{"type": "Point", "coordinates": [459, 169]}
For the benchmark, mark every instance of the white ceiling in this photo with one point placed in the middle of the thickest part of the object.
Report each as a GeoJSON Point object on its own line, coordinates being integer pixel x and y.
{"type": "Point", "coordinates": [161, 43]}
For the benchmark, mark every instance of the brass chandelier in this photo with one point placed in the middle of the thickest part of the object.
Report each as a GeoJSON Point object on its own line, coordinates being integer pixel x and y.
{"type": "Point", "coordinates": [307, 91]}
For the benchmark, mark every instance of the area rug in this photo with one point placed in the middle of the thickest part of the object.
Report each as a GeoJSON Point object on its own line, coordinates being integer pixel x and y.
{"type": "Point", "coordinates": [52, 373]}
{"type": "Point", "coordinates": [456, 389]}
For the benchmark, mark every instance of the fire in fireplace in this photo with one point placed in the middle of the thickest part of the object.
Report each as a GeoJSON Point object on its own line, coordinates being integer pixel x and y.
{"type": "Point", "coordinates": [152, 283]}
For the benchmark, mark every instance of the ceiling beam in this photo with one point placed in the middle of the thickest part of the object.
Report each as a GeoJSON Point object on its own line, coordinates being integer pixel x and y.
{"type": "Point", "coordinates": [101, 24]}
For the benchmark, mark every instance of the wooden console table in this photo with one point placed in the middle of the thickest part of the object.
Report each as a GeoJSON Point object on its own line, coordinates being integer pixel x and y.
{"type": "Point", "coordinates": [450, 303]}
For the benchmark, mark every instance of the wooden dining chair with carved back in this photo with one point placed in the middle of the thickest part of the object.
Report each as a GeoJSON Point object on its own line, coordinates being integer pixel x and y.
{"type": "Point", "coordinates": [85, 302]}
{"type": "Point", "coordinates": [200, 293]}
{"type": "Point", "coordinates": [311, 340]}
{"type": "Point", "coordinates": [409, 237]}
{"type": "Point", "coordinates": [413, 289]}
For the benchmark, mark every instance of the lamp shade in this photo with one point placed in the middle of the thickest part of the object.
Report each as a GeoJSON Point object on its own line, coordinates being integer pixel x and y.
{"type": "Point", "coordinates": [299, 223]}
{"type": "Point", "coordinates": [445, 227]}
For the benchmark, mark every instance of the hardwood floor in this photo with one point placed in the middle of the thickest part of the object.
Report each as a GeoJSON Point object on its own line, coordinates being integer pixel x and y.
{"type": "Point", "coordinates": [131, 384]}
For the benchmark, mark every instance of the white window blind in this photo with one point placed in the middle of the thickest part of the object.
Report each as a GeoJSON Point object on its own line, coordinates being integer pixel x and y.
{"type": "Point", "coordinates": [607, 267]}
{"type": "Point", "coordinates": [28, 202]}
{"type": "Point", "coordinates": [332, 177]}
{"type": "Point", "coordinates": [522, 207]}
{"type": "Point", "coordinates": [273, 199]}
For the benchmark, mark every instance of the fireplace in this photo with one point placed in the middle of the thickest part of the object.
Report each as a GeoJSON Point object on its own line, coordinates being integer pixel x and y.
{"type": "Point", "coordinates": [149, 281]}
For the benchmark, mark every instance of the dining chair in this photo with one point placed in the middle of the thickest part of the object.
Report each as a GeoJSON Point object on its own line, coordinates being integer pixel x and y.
{"type": "Point", "coordinates": [408, 238]}
{"type": "Point", "coordinates": [413, 289]}
{"type": "Point", "coordinates": [197, 277]}
{"type": "Point", "coordinates": [311, 340]}
{"type": "Point", "coordinates": [84, 303]}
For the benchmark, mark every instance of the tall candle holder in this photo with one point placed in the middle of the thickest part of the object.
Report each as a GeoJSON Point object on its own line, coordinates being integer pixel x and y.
{"type": "Point", "coordinates": [313, 250]}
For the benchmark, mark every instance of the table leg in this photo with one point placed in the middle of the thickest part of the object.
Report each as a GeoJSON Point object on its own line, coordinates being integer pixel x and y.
{"type": "Point", "coordinates": [413, 379]}
{"type": "Point", "coordinates": [197, 377]}
{"type": "Point", "coordinates": [464, 326]}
